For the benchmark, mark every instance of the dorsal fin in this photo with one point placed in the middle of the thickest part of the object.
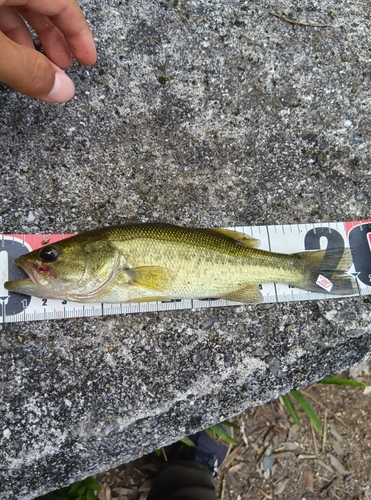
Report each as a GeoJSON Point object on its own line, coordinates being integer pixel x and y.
{"type": "Point", "coordinates": [245, 239]}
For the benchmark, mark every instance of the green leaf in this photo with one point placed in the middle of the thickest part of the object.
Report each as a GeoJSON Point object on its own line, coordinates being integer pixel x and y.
{"type": "Point", "coordinates": [230, 424]}
{"type": "Point", "coordinates": [211, 433]}
{"type": "Point", "coordinates": [291, 409]}
{"type": "Point", "coordinates": [309, 411]}
{"type": "Point", "coordinates": [90, 495]}
{"type": "Point", "coordinates": [158, 452]}
{"type": "Point", "coordinates": [92, 484]}
{"type": "Point", "coordinates": [74, 487]}
{"type": "Point", "coordinates": [82, 490]}
{"type": "Point", "coordinates": [188, 442]}
{"type": "Point", "coordinates": [342, 381]}
{"type": "Point", "coordinates": [220, 432]}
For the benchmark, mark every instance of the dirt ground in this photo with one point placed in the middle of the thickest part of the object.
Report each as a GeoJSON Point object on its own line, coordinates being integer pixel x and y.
{"type": "Point", "coordinates": [275, 459]}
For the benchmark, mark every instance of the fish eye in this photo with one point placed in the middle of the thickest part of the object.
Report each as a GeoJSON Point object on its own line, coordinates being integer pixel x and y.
{"type": "Point", "coordinates": [49, 254]}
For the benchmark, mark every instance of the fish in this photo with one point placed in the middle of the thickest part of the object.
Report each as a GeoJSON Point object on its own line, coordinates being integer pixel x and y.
{"type": "Point", "coordinates": [158, 262]}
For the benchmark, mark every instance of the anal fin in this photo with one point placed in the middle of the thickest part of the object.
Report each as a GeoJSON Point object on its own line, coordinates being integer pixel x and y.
{"type": "Point", "coordinates": [147, 299]}
{"type": "Point", "coordinates": [250, 294]}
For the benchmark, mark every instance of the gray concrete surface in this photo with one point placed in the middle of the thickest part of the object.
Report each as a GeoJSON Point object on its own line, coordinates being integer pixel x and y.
{"type": "Point", "coordinates": [206, 113]}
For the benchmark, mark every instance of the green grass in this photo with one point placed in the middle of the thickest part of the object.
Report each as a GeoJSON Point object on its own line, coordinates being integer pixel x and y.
{"type": "Point", "coordinates": [81, 490]}
{"type": "Point", "coordinates": [307, 407]}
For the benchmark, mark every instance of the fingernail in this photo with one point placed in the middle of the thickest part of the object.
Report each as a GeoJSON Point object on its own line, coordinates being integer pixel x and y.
{"type": "Point", "coordinates": [63, 89]}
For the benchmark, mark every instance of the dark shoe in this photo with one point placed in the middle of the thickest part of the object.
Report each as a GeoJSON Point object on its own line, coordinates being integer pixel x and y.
{"type": "Point", "coordinates": [209, 453]}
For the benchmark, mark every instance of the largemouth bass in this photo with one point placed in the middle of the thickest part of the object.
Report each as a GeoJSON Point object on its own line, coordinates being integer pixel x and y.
{"type": "Point", "coordinates": [150, 262]}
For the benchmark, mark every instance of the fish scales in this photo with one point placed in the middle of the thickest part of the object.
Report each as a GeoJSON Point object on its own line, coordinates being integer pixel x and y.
{"type": "Point", "coordinates": [202, 259]}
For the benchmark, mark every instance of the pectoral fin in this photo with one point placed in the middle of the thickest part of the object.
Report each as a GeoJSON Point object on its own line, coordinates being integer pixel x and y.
{"type": "Point", "coordinates": [248, 295]}
{"type": "Point", "coordinates": [151, 277]}
{"type": "Point", "coordinates": [245, 239]}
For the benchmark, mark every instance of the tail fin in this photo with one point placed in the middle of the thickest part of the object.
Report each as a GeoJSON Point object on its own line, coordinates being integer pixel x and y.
{"type": "Point", "coordinates": [328, 271]}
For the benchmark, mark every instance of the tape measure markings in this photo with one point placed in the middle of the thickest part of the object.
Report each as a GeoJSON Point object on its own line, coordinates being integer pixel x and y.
{"type": "Point", "coordinates": [284, 238]}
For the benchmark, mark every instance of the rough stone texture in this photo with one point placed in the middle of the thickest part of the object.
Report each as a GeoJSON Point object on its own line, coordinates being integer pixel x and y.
{"type": "Point", "coordinates": [207, 113]}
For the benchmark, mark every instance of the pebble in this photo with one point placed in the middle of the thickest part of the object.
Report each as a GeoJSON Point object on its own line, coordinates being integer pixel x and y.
{"type": "Point", "coordinates": [31, 216]}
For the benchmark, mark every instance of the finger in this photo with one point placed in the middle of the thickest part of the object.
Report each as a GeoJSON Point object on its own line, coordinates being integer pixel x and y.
{"type": "Point", "coordinates": [67, 16]}
{"type": "Point", "coordinates": [32, 74]}
{"type": "Point", "coordinates": [13, 26]}
{"type": "Point", "coordinates": [79, 38]}
{"type": "Point", "coordinates": [52, 40]}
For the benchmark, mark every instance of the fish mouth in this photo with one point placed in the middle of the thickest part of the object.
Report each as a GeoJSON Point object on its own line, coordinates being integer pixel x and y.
{"type": "Point", "coordinates": [30, 285]}
{"type": "Point", "coordinates": [24, 286]}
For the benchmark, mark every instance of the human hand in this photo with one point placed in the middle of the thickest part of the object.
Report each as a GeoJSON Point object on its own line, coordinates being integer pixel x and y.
{"type": "Point", "coordinates": [62, 31]}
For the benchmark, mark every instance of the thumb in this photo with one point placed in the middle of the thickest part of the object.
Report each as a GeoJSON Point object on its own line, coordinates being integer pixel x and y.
{"type": "Point", "coordinates": [32, 74]}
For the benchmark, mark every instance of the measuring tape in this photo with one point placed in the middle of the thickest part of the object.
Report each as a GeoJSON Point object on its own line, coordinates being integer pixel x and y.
{"type": "Point", "coordinates": [290, 238]}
